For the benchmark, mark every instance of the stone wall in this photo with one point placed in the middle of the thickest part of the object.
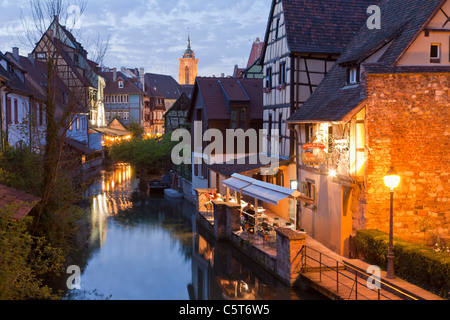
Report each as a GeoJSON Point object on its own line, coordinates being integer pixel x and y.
{"type": "Point", "coordinates": [408, 127]}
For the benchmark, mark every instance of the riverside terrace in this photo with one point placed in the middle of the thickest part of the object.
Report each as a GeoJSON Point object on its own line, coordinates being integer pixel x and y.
{"type": "Point", "coordinates": [292, 255]}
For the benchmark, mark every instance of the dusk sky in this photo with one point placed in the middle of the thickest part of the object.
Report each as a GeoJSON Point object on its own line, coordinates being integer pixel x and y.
{"type": "Point", "coordinates": [153, 33]}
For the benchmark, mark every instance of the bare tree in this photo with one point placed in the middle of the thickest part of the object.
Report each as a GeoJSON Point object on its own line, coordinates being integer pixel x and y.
{"type": "Point", "coordinates": [42, 13]}
{"type": "Point", "coordinates": [72, 83]}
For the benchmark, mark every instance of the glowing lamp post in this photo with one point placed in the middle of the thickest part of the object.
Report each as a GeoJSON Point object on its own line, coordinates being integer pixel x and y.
{"type": "Point", "coordinates": [391, 180]}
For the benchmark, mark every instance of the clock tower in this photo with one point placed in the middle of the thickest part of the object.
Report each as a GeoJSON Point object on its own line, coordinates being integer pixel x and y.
{"type": "Point", "coordinates": [188, 66]}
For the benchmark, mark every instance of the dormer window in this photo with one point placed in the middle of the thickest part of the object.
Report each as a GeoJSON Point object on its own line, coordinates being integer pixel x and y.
{"type": "Point", "coordinates": [120, 84]}
{"type": "Point", "coordinates": [353, 75]}
{"type": "Point", "coordinates": [435, 53]}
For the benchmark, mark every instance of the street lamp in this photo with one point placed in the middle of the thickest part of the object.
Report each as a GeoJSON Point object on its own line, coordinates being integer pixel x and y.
{"type": "Point", "coordinates": [391, 180]}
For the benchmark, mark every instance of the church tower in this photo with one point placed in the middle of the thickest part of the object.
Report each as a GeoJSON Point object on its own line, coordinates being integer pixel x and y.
{"type": "Point", "coordinates": [188, 66]}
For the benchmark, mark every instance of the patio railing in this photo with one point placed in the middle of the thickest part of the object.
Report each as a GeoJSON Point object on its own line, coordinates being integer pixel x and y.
{"type": "Point", "coordinates": [311, 260]}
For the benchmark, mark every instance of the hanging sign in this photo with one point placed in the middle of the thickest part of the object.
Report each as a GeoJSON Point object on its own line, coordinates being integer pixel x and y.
{"type": "Point", "coordinates": [314, 153]}
{"type": "Point", "coordinates": [314, 146]}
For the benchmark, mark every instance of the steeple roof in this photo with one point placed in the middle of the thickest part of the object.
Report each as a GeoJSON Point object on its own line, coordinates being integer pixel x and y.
{"type": "Point", "coordinates": [189, 53]}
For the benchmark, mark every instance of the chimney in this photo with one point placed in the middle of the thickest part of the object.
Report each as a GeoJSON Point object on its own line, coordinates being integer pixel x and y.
{"type": "Point", "coordinates": [114, 75]}
{"type": "Point", "coordinates": [142, 76]}
{"type": "Point", "coordinates": [223, 75]}
{"type": "Point", "coordinates": [31, 59]}
{"type": "Point", "coordinates": [15, 52]}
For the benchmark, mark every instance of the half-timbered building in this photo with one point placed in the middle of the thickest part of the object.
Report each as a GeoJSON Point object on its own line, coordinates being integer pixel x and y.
{"type": "Point", "coordinates": [71, 64]}
{"type": "Point", "coordinates": [303, 40]}
{"type": "Point", "coordinates": [385, 103]}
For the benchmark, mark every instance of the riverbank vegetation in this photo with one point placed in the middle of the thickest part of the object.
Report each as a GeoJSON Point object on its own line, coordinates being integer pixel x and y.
{"type": "Point", "coordinates": [34, 251]}
{"type": "Point", "coordinates": [26, 260]}
{"type": "Point", "coordinates": [149, 156]}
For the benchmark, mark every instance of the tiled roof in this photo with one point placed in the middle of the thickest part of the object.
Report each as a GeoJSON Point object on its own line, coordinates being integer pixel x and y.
{"type": "Point", "coordinates": [215, 100]}
{"type": "Point", "coordinates": [332, 100]}
{"type": "Point", "coordinates": [112, 87]}
{"type": "Point", "coordinates": [162, 86]}
{"type": "Point", "coordinates": [79, 146]}
{"type": "Point", "coordinates": [182, 104]}
{"type": "Point", "coordinates": [322, 26]}
{"type": "Point", "coordinates": [36, 81]}
{"type": "Point", "coordinates": [377, 68]}
{"type": "Point", "coordinates": [255, 54]}
{"type": "Point", "coordinates": [13, 80]}
{"type": "Point", "coordinates": [9, 196]}
{"type": "Point", "coordinates": [186, 88]}
{"type": "Point", "coordinates": [402, 20]}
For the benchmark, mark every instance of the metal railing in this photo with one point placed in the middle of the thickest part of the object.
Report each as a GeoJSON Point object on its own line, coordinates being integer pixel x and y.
{"type": "Point", "coordinates": [327, 270]}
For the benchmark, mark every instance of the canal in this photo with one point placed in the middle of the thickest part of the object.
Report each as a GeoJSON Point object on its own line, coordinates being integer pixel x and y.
{"type": "Point", "coordinates": [146, 247]}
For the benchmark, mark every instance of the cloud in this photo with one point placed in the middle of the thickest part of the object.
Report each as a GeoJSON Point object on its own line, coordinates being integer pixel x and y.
{"type": "Point", "coordinates": [153, 33]}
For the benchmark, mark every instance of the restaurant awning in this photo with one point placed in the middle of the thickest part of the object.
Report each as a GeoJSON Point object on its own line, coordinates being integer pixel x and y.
{"type": "Point", "coordinates": [269, 192]}
{"type": "Point", "coordinates": [263, 191]}
{"type": "Point", "coordinates": [238, 182]}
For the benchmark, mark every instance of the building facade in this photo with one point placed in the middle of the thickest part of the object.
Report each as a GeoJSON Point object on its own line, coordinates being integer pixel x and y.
{"type": "Point", "coordinates": [221, 104]}
{"type": "Point", "coordinates": [384, 104]}
{"type": "Point", "coordinates": [161, 92]}
{"type": "Point", "coordinates": [123, 98]}
{"type": "Point", "coordinates": [300, 48]}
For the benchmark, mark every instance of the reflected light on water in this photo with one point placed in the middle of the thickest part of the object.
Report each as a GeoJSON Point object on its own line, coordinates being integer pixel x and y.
{"type": "Point", "coordinates": [115, 189]}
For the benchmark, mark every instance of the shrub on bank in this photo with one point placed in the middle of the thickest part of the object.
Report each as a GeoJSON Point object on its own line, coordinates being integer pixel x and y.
{"type": "Point", "coordinates": [413, 262]}
{"type": "Point", "coordinates": [148, 155]}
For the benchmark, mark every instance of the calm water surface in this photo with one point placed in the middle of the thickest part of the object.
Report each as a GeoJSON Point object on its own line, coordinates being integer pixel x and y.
{"type": "Point", "coordinates": [144, 247]}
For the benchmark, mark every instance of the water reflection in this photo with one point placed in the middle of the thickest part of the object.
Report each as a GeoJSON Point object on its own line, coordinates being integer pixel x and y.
{"type": "Point", "coordinates": [144, 247]}
{"type": "Point", "coordinates": [110, 195]}
{"type": "Point", "coordinates": [221, 272]}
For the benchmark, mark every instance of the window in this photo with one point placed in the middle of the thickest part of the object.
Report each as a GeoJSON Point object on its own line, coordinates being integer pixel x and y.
{"type": "Point", "coordinates": [280, 124]}
{"type": "Point", "coordinates": [269, 78]}
{"type": "Point", "coordinates": [41, 55]}
{"type": "Point", "coordinates": [8, 112]}
{"type": "Point", "coordinates": [186, 71]}
{"type": "Point", "coordinates": [435, 53]}
{"type": "Point", "coordinates": [120, 84]}
{"type": "Point", "coordinates": [309, 128]}
{"type": "Point", "coordinates": [83, 124]}
{"type": "Point", "coordinates": [282, 79]}
{"type": "Point", "coordinates": [270, 125]}
{"type": "Point", "coordinates": [277, 29]}
{"type": "Point", "coordinates": [353, 75]}
{"type": "Point", "coordinates": [16, 111]}
{"type": "Point", "coordinates": [238, 118]}
{"type": "Point", "coordinates": [78, 123]}
{"type": "Point", "coordinates": [126, 115]}
{"type": "Point", "coordinates": [309, 189]}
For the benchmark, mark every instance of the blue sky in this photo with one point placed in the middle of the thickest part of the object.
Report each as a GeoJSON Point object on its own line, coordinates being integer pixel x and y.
{"type": "Point", "coordinates": [153, 33]}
